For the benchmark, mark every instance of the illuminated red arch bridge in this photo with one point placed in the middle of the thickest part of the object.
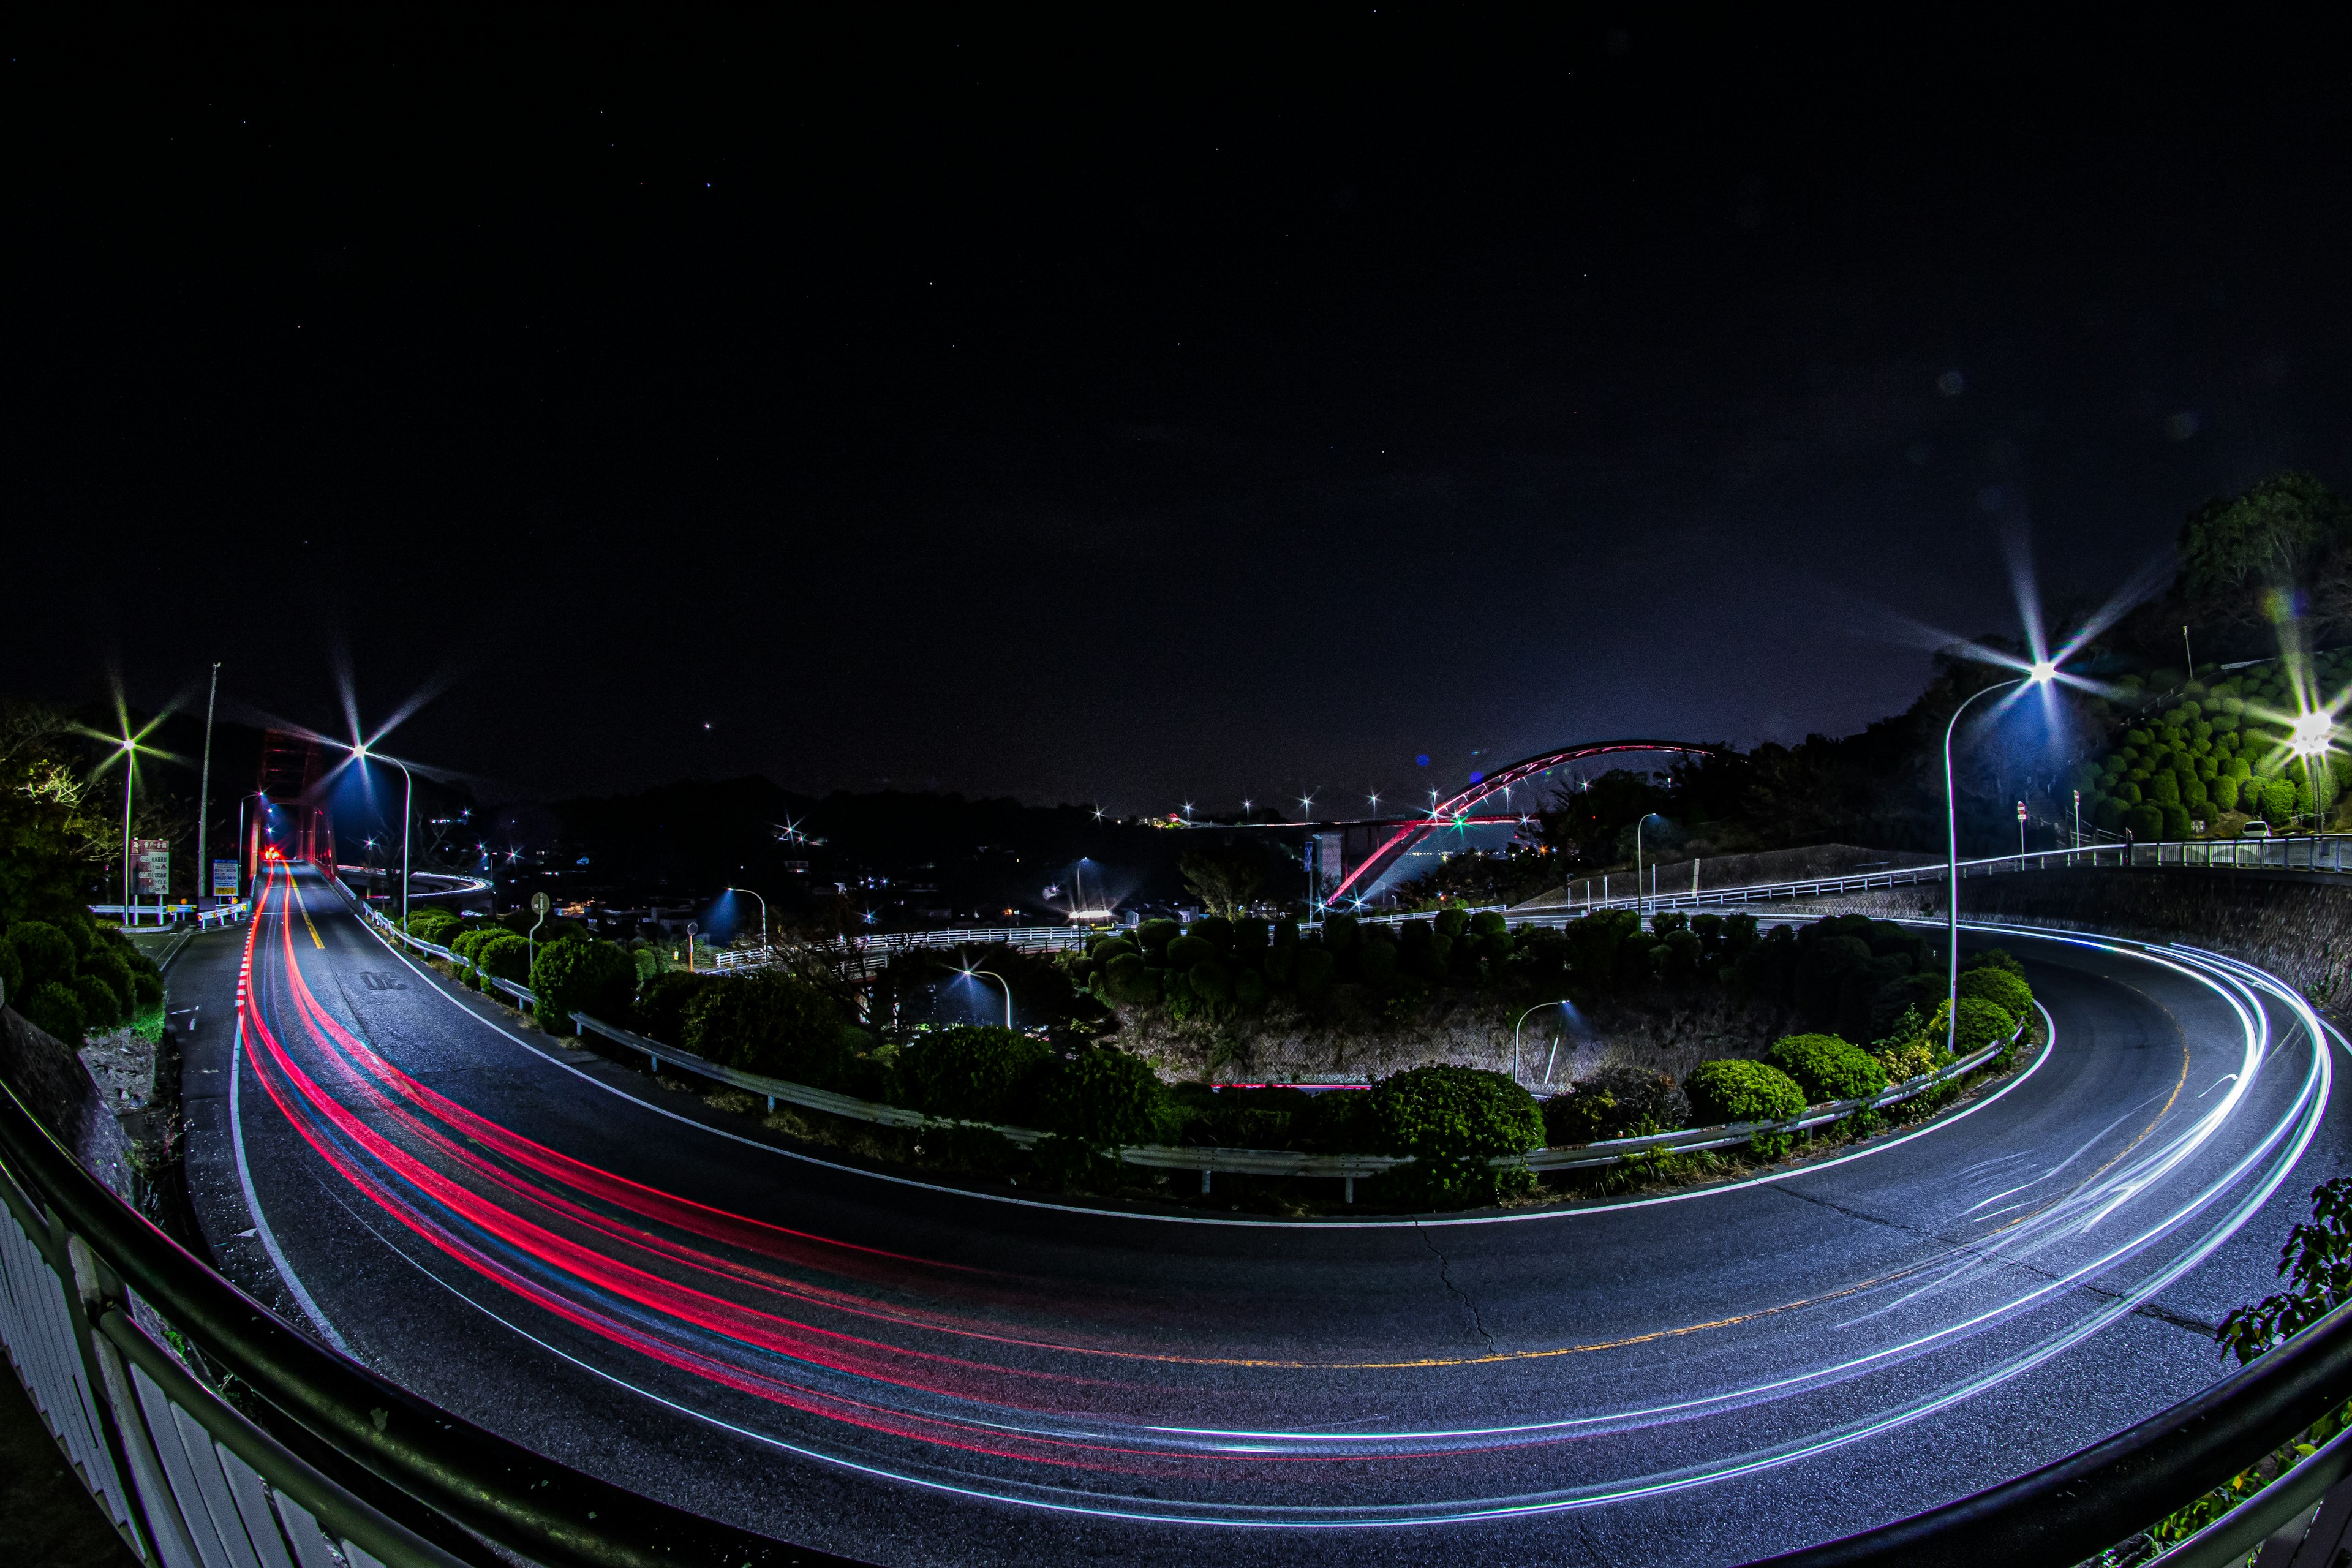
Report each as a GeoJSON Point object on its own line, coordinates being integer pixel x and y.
{"type": "Point", "coordinates": [1356, 855]}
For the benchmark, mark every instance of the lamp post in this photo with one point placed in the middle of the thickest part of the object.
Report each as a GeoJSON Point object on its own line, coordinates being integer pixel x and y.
{"type": "Point", "coordinates": [203, 795]}
{"type": "Point", "coordinates": [969, 973]}
{"type": "Point", "coordinates": [1639, 822]}
{"type": "Point", "coordinates": [407, 792]}
{"type": "Point", "coordinates": [1515, 1038]}
{"type": "Point", "coordinates": [2309, 738]}
{"type": "Point", "coordinates": [763, 916]}
{"type": "Point", "coordinates": [2041, 673]}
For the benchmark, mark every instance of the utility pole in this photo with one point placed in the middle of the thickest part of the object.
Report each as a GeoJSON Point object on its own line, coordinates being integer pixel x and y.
{"type": "Point", "coordinates": [2189, 653]}
{"type": "Point", "coordinates": [205, 796]}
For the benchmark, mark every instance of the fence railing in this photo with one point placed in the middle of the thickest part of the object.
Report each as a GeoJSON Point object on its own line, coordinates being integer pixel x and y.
{"type": "Point", "coordinates": [1343, 1168]}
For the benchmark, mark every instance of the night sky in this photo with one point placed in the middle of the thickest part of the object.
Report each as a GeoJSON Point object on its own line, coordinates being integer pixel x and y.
{"type": "Point", "coordinates": [1083, 412]}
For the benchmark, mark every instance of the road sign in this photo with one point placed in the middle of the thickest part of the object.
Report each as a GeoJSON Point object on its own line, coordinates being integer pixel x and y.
{"type": "Point", "coordinates": [539, 904]}
{"type": "Point", "coordinates": [225, 878]}
{"type": "Point", "coordinates": [153, 859]}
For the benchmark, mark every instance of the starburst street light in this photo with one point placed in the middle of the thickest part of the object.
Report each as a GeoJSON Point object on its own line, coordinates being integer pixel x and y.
{"type": "Point", "coordinates": [129, 747]}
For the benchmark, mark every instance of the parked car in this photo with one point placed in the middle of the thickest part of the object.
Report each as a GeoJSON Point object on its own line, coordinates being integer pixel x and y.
{"type": "Point", "coordinates": [2257, 829]}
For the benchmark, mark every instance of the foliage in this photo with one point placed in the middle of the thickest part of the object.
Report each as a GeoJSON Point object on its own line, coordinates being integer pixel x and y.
{"type": "Point", "coordinates": [592, 977]}
{"type": "Point", "coordinates": [434, 924]}
{"type": "Point", "coordinates": [2272, 534]}
{"type": "Point", "coordinates": [1128, 982]}
{"type": "Point", "coordinates": [1453, 1119]}
{"type": "Point", "coordinates": [1735, 1090]}
{"type": "Point", "coordinates": [51, 1006]}
{"type": "Point", "coordinates": [1827, 1067]}
{"type": "Point", "coordinates": [1981, 1023]}
{"type": "Point", "coordinates": [505, 956]}
{"type": "Point", "coordinates": [1615, 1102]}
{"type": "Point", "coordinates": [2003, 989]}
{"type": "Point", "coordinates": [772, 1023]}
{"type": "Point", "coordinates": [2317, 1263]}
{"type": "Point", "coordinates": [1226, 878]}
{"type": "Point", "coordinates": [662, 1003]}
{"type": "Point", "coordinates": [1103, 1098]}
{"type": "Point", "coordinates": [971, 1073]}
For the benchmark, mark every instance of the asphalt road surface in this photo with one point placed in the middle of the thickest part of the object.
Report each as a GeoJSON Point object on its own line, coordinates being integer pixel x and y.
{"type": "Point", "coordinates": [911, 1372]}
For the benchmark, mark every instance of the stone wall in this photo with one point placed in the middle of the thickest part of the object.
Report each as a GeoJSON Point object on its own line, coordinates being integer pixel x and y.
{"type": "Point", "coordinates": [53, 1084]}
{"type": "Point", "coordinates": [2298, 925]}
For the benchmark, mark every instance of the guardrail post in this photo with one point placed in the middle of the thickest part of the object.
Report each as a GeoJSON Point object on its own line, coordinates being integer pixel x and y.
{"type": "Point", "coordinates": [1204, 1178]}
{"type": "Point", "coordinates": [1350, 1189]}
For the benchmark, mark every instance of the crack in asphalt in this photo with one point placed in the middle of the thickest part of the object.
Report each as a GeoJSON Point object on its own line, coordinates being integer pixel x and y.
{"type": "Point", "coordinates": [1446, 1278]}
{"type": "Point", "coordinates": [1972, 1245]}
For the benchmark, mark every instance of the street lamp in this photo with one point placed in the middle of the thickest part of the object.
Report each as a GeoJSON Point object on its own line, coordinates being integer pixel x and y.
{"type": "Point", "coordinates": [2308, 739]}
{"type": "Point", "coordinates": [969, 973]}
{"type": "Point", "coordinates": [407, 792]}
{"type": "Point", "coordinates": [2041, 674]}
{"type": "Point", "coordinates": [763, 916]}
{"type": "Point", "coordinates": [1638, 822]}
{"type": "Point", "coordinates": [1515, 1038]}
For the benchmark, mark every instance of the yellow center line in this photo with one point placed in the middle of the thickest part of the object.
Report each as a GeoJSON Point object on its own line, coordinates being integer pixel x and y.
{"type": "Point", "coordinates": [296, 894]}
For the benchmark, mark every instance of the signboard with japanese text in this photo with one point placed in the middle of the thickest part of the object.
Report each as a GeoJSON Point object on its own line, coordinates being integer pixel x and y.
{"type": "Point", "coordinates": [152, 859]}
{"type": "Point", "coordinates": [225, 878]}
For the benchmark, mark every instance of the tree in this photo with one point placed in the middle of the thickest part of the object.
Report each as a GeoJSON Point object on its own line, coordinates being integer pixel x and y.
{"type": "Point", "coordinates": [1226, 878]}
{"type": "Point", "coordinates": [2272, 534]}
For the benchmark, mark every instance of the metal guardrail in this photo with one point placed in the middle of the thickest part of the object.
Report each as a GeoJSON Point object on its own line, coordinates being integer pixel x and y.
{"type": "Point", "coordinates": [1343, 1168]}
{"type": "Point", "coordinates": [381, 1477]}
{"type": "Point", "coordinates": [391, 930]}
{"type": "Point", "coordinates": [2320, 852]}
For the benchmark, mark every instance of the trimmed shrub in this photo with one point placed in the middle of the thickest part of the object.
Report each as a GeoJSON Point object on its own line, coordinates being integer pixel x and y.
{"type": "Point", "coordinates": [101, 1005]}
{"type": "Point", "coordinates": [47, 953]}
{"type": "Point", "coordinates": [1453, 1119]}
{"type": "Point", "coordinates": [1214, 929]}
{"type": "Point", "coordinates": [1827, 1067]}
{"type": "Point", "coordinates": [1981, 1023]}
{"type": "Point", "coordinates": [1993, 958]}
{"type": "Point", "coordinates": [776, 1025]}
{"type": "Point", "coordinates": [506, 956]}
{"type": "Point", "coordinates": [1105, 1098]}
{"type": "Point", "coordinates": [1187, 952]}
{"type": "Point", "coordinates": [662, 1003]}
{"type": "Point", "coordinates": [52, 1006]}
{"type": "Point", "coordinates": [1615, 1102]}
{"type": "Point", "coordinates": [1339, 935]}
{"type": "Point", "coordinates": [108, 964]}
{"type": "Point", "coordinates": [1737, 1090]}
{"type": "Point", "coordinates": [972, 1072]}
{"type": "Point", "coordinates": [1109, 947]}
{"type": "Point", "coordinates": [1312, 971]}
{"type": "Point", "coordinates": [1153, 937]}
{"type": "Point", "coordinates": [1128, 982]}
{"type": "Point", "coordinates": [1212, 981]}
{"type": "Point", "coordinates": [12, 969]}
{"type": "Point", "coordinates": [2002, 988]}
{"type": "Point", "coordinates": [592, 977]}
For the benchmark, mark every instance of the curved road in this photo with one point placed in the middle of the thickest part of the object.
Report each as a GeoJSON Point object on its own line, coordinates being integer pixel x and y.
{"type": "Point", "coordinates": [907, 1372]}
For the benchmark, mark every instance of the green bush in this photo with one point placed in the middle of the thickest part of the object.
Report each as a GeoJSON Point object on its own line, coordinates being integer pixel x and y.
{"type": "Point", "coordinates": [2002, 988]}
{"type": "Point", "coordinates": [1212, 981]}
{"type": "Point", "coordinates": [52, 1006]}
{"type": "Point", "coordinates": [1128, 982]}
{"type": "Point", "coordinates": [1452, 1120]}
{"type": "Point", "coordinates": [1187, 952]}
{"type": "Point", "coordinates": [1981, 1023]}
{"type": "Point", "coordinates": [108, 965]}
{"type": "Point", "coordinates": [1109, 947]}
{"type": "Point", "coordinates": [592, 977]}
{"type": "Point", "coordinates": [971, 1073]}
{"type": "Point", "coordinates": [1339, 932]}
{"type": "Point", "coordinates": [773, 1024]}
{"type": "Point", "coordinates": [1214, 929]}
{"type": "Point", "coordinates": [101, 1005]}
{"type": "Point", "coordinates": [662, 1003]}
{"type": "Point", "coordinates": [12, 969]}
{"type": "Point", "coordinates": [47, 953]}
{"type": "Point", "coordinates": [1735, 1090]}
{"type": "Point", "coordinates": [1153, 937]}
{"type": "Point", "coordinates": [1827, 1067]}
{"type": "Point", "coordinates": [1105, 1098]}
{"type": "Point", "coordinates": [1312, 972]}
{"type": "Point", "coordinates": [506, 956]}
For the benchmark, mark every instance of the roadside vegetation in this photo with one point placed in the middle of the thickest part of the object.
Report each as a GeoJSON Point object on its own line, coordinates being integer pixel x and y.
{"type": "Point", "coordinates": [1836, 1011]}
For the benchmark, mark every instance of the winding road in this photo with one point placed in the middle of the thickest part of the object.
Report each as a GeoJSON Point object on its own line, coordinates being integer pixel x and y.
{"type": "Point", "coordinates": [909, 1371]}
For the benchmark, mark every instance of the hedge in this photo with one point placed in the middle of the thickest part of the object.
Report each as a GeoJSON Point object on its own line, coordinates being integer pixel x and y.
{"type": "Point", "coordinates": [972, 1072]}
{"type": "Point", "coordinates": [1737, 1090]}
{"type": "Point", "coordinates": [773, 1024]}
{"type": "Point", "coordinates": [1827, 1067]}
{"type": "Point", "coordinates": [1615, 1102]}
{"type": "Point", "coordinates": [592, 977]}
{"type": "Point", "coordinates": [2000, 988]}
{"type": "Point", "coordinates": [1453, 1119]}
{"type": "Point", "coordinates": [1103, 1098]}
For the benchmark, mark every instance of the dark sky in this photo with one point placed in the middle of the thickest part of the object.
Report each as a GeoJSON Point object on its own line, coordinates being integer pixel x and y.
{"type": "Point", "coordinates": [1090, 413]}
